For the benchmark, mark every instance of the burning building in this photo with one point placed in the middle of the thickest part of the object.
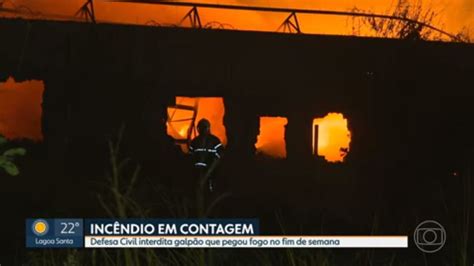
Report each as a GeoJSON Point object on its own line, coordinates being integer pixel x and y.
{"type": "Point", "coordinates": [370, 104]}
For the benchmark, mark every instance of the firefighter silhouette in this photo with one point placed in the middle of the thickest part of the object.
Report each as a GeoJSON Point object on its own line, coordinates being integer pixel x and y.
{"type": "Point", "coordinates": [206, 150]}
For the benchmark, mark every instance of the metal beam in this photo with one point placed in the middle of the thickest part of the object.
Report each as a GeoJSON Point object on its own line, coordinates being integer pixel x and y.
{"type": "Point", "coordinates": [290, 24]}
{"type": "Point", "coordinates": [193, 17]}
{"type": "Point", "coordinates": [287, 10]}
{"type": "Point", "coordinates": [87, 11]}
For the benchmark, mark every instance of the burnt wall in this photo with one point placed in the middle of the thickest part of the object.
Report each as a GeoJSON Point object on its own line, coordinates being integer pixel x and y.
{"type": "Point", "coordinates": [409, 104]}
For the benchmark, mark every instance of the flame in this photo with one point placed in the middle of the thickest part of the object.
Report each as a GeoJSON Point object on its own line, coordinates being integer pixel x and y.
{"type": "Point", "coordinates": [211, 108]}
{"type": "Point", "coordinates": [179, 122]}
{"type": "Point", "coordinates": [182, 132]}
{"type": "Point", "coordinates": [334, 137]}
{"type": "Point", "coordinates": [271, 140]}
{"type": "Point", "coordinates": [20, 112]}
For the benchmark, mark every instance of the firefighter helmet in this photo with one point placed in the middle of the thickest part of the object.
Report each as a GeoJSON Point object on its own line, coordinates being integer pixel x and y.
{"type": "Point", "coordinates": [204, 126]}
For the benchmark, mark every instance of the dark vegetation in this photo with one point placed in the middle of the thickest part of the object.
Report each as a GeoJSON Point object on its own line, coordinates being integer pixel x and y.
{"type": "Point", "coordinates": [126, 192]}
{"type": "Point", "coordinates": [410, 12]}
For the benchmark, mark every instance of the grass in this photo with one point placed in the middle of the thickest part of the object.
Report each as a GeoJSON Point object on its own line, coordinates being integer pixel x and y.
{"type": "Point", "coordinates": [119, 201]}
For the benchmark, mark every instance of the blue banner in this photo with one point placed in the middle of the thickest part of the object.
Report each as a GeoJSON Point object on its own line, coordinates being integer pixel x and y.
{"type": "Point", "coordinates": [70, 233]}
{"type": "Point", "coordinates": [162, 227]}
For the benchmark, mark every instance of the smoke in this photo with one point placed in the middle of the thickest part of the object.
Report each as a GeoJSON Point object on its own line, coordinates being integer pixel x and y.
{"type": "Point", "coordinates": [50, 6]}
{"type": "Point", "coordinates": [455, 14]}
{"type": "Point", "coordinates": [467, 11]}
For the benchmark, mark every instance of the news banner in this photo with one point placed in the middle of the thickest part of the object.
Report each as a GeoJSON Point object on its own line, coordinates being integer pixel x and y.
{"type": "Point", "coordinates": [183, 233]}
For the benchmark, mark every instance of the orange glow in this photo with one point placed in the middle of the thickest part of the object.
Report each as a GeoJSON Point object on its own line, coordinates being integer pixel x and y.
{"type": "Point", "coordinates": [20, 109]}
{"type": "Point", "coordinates": [211, 108]}
{"type": "Point", "coordinates": [334, 137]}
{"type": "Point", "coordinates": [453, 14]}
{"type": "Point", "coordinates": [271, 140]}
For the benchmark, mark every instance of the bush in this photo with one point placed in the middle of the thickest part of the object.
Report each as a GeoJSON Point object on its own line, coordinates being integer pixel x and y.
{"type": "Point", "coordinates": [8, 156]}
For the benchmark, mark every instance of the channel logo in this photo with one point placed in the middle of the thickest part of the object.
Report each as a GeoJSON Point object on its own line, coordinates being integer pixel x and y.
{"type": "Point", "coordinates": [40, 227]}
{"type": "Point", "coordinates": [429, 236]}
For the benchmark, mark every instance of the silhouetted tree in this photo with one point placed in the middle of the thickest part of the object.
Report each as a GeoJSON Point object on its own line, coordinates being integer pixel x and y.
{"type": "Point", "coordinates": [411, 26]}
